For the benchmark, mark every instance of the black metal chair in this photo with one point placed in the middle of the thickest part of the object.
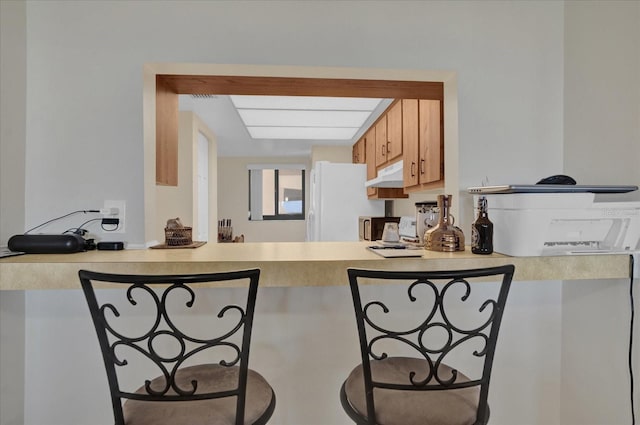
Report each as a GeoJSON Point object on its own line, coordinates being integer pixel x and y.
{"type": "Point", "coordinates": [191, 388]}
{"type": "Point", "coordinates": [449, 317]}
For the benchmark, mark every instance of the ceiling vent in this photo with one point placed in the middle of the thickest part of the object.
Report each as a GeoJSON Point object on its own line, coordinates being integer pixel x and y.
{"type": "Point", "coordinates": [204, 96]}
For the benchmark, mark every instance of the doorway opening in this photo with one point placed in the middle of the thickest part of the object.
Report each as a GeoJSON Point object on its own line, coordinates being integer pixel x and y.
{"type": "Point", "coordinates": [167, 81]}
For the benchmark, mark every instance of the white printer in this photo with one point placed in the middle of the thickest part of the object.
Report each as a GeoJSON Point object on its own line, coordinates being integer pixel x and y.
{"type": "Point", "coordinates": [534, 224]}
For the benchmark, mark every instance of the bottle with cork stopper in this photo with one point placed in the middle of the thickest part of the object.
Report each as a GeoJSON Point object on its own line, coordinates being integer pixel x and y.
{"type": "Point", "coordinates": [482, 230]}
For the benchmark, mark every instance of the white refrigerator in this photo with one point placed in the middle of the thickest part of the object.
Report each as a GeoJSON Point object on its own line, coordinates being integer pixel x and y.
{"type": "Point", "coordinates": [337, 198]}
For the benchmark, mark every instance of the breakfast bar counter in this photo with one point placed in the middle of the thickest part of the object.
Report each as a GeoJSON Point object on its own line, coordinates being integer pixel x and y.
{"type": "Point", "coordinates": [305, 331]}
{"type": "Point", "coordinates": [288, 264]}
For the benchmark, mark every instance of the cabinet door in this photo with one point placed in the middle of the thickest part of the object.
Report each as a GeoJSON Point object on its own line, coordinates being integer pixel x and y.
{"type": "Point", "coordinates": [370, 156]}
{"type": "Point", "coordinates": [394, 132]}
{"type": "Point", "coordinates": [362, 153]}
{"type": "Point", "coordinates": [358, 152]}
{"type": "Point", "coordinates": [410, 142]}
{"type": "Point", "coordinates": [430, 160]}
{"type": "Point", "coordinates": [381, 141]}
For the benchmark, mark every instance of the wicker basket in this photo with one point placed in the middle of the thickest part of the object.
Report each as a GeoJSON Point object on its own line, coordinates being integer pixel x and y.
{"type": "Point", "coordinates": [178, 237]}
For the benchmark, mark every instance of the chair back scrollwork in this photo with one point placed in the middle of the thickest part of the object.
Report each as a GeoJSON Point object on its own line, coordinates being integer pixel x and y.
{"type": "Point", "coordinates": [155, 326]}
{"type": "Point", "coordinates": [445, 318]}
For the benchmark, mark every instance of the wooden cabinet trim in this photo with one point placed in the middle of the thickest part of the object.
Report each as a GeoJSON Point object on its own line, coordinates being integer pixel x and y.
{"type": "Point", "coordinates": [288, 86]}
{"type": "Point", "coordinates": [166, 134]}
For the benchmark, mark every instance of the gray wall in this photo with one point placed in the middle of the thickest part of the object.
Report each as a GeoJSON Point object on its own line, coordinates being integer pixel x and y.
{"type": "Point", "coordinates": [601, 145]}
{"type": "Point", "coordinates": [13, 80]}
{"type": "Point", "coordinates": [602, 92]}
{"type": "Point", "coordinates": [85, 59]}
{"type": "Point", "coordinates": [13, 62]}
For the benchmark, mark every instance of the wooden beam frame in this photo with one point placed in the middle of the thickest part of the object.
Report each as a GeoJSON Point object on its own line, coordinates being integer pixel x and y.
{"type": "Point", "coordinates": [291, 86]}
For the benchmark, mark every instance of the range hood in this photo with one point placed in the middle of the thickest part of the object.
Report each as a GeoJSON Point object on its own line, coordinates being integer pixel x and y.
{"type": "Point", "coordinates": [390, 176]}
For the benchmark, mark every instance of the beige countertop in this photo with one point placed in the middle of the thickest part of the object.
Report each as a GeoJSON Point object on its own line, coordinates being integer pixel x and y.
{"type": "Point", "coordinates": [288, 264]}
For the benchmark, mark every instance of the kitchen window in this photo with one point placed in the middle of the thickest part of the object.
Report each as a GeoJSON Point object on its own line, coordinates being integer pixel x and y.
{"type": "Point", "coordinates": [276, 192]}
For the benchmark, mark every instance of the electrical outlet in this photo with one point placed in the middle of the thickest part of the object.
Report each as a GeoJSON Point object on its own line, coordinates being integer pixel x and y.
{"type": "Point", "coordinates": [115, 209]}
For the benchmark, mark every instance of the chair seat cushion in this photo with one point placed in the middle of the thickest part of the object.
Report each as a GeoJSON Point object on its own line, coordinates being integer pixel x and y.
{"type": "Point", "coordinates": [409, 407]}
{"type": "Point", "coordinates": [210, 378]}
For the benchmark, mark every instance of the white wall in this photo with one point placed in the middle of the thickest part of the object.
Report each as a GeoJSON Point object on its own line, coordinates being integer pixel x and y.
{"type": "Point", "coordinates": [13, 61]}
{"type": "Point", "coordinates": [510, 86]}
{"type": "Point", "coordinates": [509, 77]}
{"type": "Point", "coordinates": [83, 107]}
{"type": "Point", "coordinates": [602, 145]}
{"type": "Point", "coordinates": [12, 361]}
{"type": "Point", "coordinates": [602, 93]}
{"type": "Point", "coordinates": [331, 154]}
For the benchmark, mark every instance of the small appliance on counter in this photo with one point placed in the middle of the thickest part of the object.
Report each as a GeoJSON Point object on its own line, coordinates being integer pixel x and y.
{"type": "Point", "coordinates": [371, 228]}
{"type": "Point", "coordinates": [535, 224]}
{"type": "Point", "coordinates": [49, 244]}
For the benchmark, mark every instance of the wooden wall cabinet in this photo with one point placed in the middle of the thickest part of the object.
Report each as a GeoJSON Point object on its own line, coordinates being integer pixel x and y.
{"type": "Point", "coordinates": [389, 135]}
{"type": "Point", "coordinates": [431, 141]}
{"type": "Point", "coordinates": [381, 141]}
{"type": "Point", "coordinates": [369, 140]}
{"type": "Point", "coordinates": [394, 132]}
{"type": "Point", "coordinates": [423, 144]}
{"type": "Point", "coordinates": [359, 152]}
{"type": "Point", "coordinates": [410, 139]}
{"type": "Point", "coordinates": [410, 129]}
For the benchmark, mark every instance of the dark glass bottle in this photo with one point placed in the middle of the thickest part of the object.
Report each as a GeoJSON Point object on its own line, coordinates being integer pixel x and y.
{"type": "Point", "coordinates": [482, 230]}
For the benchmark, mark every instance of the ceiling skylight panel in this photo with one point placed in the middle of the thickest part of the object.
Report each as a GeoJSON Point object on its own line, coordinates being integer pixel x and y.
{"type": "Point", "coordinates": [302, 133]}
{"type": "Point", "coordinates": [305, 102]}
{"type": "Point", "coordinates": [289, 118]}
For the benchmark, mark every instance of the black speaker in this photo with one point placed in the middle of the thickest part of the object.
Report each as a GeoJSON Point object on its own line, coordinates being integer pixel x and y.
{"type": "Point", "coordinates": [47, 244]}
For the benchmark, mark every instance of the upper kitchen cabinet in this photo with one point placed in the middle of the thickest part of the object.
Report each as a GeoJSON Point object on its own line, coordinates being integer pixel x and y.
{"type": "Point", "coordinates": [389, 135]}
{"type": "Point", "coordinates": [423, 144]}
{"type": "Point", "coordinates": [410, 140]}
{"type": "Point", "coordinates": [431, 141]}
{"type": "Point", "coordinates": [370, 144]}
{"type": "Point", "coordinates": [394, 132]}
{"type": "Point", "coordinates": [359, 152]}
{"type": "Point", "coordinates": [381, 141]}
